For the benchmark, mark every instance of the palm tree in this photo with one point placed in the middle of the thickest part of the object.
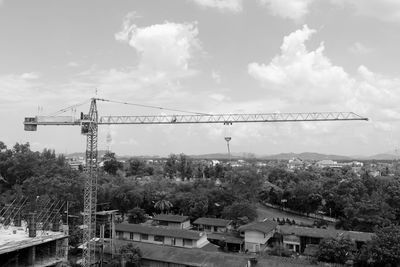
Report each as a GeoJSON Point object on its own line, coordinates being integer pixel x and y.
{"type": "Point", "coordinates": [163, 205]}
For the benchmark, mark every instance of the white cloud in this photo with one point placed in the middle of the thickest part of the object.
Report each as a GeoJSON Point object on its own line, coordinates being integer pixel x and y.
{"type": "Point", "coordinates": [223, 5]}
{"type": "Point", "coordinates": [359, 49]}
{"type": "Point", "coordinates": [219, 97]}
{"type": "Point", "coordinates": [73, 64]}
{"type": "Point", "coordinates": [297, 74]}
{"type": "Point", "coordinates": [216, 76]}
{"type": "Point", "coordinates": [290, 9]}
{"type": "Point", "coordinates": [15, 88]}
{"type": "Point", "coordinates": [386, 10]}
{"type": "Point", "coordinates": [163, 48]}
{"type": "Point", "coordinates": [30, 76]}
{"type": "Point", "coordinates": [303, 80]}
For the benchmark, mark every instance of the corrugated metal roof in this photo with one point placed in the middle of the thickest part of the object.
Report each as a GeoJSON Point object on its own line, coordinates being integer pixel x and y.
{"type": "Point", "coordinates": [212, 222]}
{"type": "Point", "coordinates": [324, 233]}
{"type": "Point", "coordinates": [190, 256]}
{"type": "Point", "coordinates": [170, 218]}
{"type": "Point", "coordinates": [225, 237]}
{"type": "Point", "coordinates": [263, 227]}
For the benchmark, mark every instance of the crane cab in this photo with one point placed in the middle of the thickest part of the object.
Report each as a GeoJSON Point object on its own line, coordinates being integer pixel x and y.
{"type": "Point", "coordinates": [30, 124]}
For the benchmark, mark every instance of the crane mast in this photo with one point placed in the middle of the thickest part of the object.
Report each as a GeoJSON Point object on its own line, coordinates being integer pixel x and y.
{"type": "Point", "coordinates": [89, 127]}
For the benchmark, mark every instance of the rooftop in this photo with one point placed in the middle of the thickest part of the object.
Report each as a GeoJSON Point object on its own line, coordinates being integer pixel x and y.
{"type": "Point", "coordinates": [161, 231]}
{"type": "Point", "coordinates": [170, 218]}
{"type": "Point", "coordinates": [228, 238]}
{"type": "Point", "coordinates": [190, 257]}
{"type": "Point", "coordinates": [106, 212]}
{"type": "Point", "coordinates": [212, 221]}
{"type": "Point", "coordinates": [325, 233]}
{"type": "Point", "coordinates": [10, 241]}
{"type": "Point", "coordinates": [263, 227]}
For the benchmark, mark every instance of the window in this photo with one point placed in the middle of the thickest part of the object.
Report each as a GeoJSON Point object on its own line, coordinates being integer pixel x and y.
{"type": "Point", "coordinates": [159, 238]}
{"type": "Point", "coordinates": [164, 223]}
{"type": "Point", "coordinates": [187, 242]}
{"type": "Point", "coordinates": [144, 237]}
{"type": "Point", "coordinates": [131, 236]}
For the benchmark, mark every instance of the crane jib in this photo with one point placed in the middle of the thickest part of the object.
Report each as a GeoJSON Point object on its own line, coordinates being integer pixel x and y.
{"type": "Point", "coordinates": [32, 122]}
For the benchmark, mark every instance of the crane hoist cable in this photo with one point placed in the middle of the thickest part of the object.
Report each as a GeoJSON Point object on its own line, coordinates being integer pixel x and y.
{"type": "Point", "coordinates": [56, 113]}
{"type": "Point", "coordinates": [150, 106]}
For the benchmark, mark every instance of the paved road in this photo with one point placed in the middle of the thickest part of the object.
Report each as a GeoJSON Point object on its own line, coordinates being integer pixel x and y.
{"type": "Point", "coordinates": [266, 212]}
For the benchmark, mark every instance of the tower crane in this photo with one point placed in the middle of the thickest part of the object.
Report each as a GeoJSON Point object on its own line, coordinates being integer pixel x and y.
{"type": "Point", "coordinates": [89, 126]}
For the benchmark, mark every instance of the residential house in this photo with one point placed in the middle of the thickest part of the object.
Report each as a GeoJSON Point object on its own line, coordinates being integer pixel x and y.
{"type": "Point", "coordinates": [257, 234]}
{"type": "Point", "coordinates": [161, 235]}
{"type": "Point", "coordinates": [327, 163]}
{"type": "Point", "coordinates": [212, 224]}
{"type": "Point", "coordinates": [297, 238]}
{"type": "Point", "coordinates": [172, 221]}
{"type": "Point", "coordinates": [229, 241]}
{"type": "Point", "coordinates": [295, 164]}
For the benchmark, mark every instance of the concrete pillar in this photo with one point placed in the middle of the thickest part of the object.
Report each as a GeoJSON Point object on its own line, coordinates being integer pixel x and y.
{"type": "Point", "coordinates": [32, 224]}
{"type": "Point", "coordinates": [56, 223]}
{"type": "Point", "coordinates": [17, 220]}
{"type": "Point", "coordinates": [31, 255]}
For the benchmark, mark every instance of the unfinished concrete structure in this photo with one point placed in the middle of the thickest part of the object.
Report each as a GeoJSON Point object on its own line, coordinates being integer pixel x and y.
{"type": "Point", "coordinates": [32, 237]}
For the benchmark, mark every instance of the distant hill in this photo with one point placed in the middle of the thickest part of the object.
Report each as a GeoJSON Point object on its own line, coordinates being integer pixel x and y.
{"type": "Point", "coordinates": [306, 156]}
{"type": "Point", "coordinates": [223, 156]}
{"type": "Point", "coordinates": [244, 155]}
{"type": "Point", "coordinates": [82, 154]}
{"type": "Point", "coordinates": [383, 156]}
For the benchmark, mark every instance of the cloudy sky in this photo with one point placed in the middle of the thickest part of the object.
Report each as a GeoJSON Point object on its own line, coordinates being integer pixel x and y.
{"type": "Point", "coordinates": [210, 56]}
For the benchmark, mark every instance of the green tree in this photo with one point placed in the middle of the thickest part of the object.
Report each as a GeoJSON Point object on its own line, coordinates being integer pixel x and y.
{"type": "Point", "coordinates": [336, 250]}
{"type": "Point", "coordinates": [163, 205]}
{"type": "Point", "coordinates": [240, 213]}
{"type": "Point", "coordinates": [171, 166]}
{"type": "Point", "coordinates": [131, 255]}
{"type": "Point", "coordinates": [185, 166]}
{"type": "Point", "coordinates": [111, 164]}
{"type": "Point", "coordinates": [136, 215]}
{"type": "Point", "coordinates": [383, 250]}
{"type": "Point", "coordinates": [138, 167]}
{"type": "Point", "coordinates": [126, 196]}
{"type": "Point", "coordinates": [245, 183]}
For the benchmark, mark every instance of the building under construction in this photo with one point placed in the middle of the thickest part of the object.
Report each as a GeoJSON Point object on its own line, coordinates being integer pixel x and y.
{"type": "Point", "coordinates": [32, 234]}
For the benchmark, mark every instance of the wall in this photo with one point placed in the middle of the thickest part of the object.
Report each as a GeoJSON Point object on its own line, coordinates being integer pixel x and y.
{"type": "Point", "coordinates": [254, 240]}
{"type": "Point", "coordinates": [257, 237]}
{"type": "Point", "coordinates": [186, 225]}
{"type": "Point", "coordinates": [202, 241]}
{"type": "Point", "coordinates": [169, 241]}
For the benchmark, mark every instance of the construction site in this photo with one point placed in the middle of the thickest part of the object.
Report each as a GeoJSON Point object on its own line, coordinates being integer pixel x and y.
{"type": "Point", "coordinates": [32, 233]}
